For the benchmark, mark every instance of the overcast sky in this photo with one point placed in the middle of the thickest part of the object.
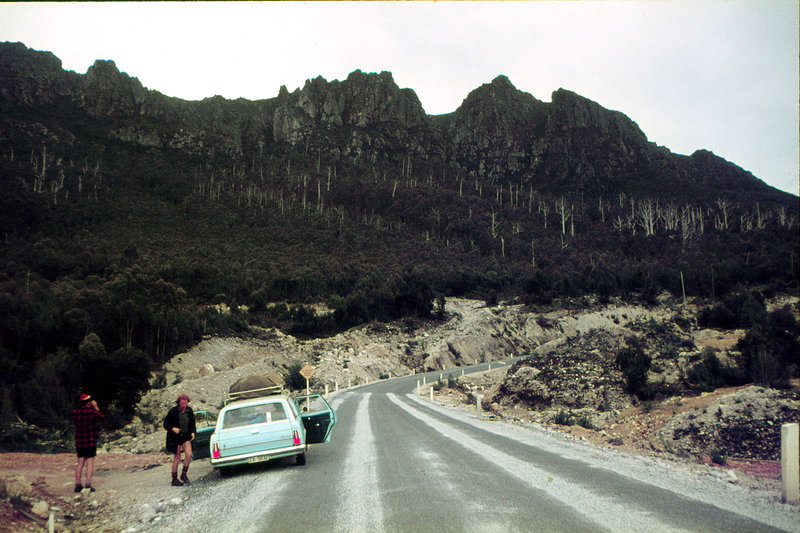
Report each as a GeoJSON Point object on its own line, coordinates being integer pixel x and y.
{"type": "Point", "coordinates": [712, 74]}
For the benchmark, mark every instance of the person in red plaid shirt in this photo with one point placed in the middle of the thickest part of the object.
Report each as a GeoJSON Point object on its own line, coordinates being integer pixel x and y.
{"type": "Point", "coordinates": [85, 417]}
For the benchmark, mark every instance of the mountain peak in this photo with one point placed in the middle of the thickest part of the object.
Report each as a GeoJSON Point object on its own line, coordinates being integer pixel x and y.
{"type": "Point", "coordinates": [503, 81]}
{"type": "Point", "coordinates": [104, 66]}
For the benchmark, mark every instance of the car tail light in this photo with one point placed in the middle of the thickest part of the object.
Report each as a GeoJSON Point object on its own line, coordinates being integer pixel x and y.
{"type": "Point", "coordinates": [296, 437]}
{"type": "Point", "coordinates": [215, 452]}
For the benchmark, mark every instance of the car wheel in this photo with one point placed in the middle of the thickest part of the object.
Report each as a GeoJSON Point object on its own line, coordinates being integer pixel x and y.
{"type": "Point", "coordinates": [301, 459]}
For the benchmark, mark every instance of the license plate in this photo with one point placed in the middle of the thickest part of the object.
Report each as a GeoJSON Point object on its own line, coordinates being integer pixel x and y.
{"type": "Point", "coordinates": [258, 459]}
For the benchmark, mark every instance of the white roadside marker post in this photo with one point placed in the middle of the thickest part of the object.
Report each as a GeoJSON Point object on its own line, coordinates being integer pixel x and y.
{"type": "Point", "coordinates": [790, 457]}
{"type": "Point", "coordinates": [431, 391]}
{"type": "Point", "coordinates": [51, 521]}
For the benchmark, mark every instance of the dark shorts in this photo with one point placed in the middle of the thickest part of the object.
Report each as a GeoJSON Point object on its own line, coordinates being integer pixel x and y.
{"type": "Point", "coordinates": [88, 452]}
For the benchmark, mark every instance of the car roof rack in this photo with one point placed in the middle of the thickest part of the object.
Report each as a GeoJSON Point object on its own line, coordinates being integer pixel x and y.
{"type": "Point", "coordinates": [253, 393]}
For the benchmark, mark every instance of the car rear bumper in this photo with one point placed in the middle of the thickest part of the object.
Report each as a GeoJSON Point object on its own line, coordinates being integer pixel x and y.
{"type": "Point", "coordinates": [258, 457]}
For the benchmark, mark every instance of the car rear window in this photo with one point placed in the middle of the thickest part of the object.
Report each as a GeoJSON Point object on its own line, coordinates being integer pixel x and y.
{"type": "Point", "coordinates": [254, 414]}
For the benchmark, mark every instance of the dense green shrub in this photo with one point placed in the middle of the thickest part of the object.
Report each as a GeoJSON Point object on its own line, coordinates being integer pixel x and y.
{"type": "Point", "coordinates": [564, 418]}
{"type": "Point", "coordinates": [735, 311]}
{"type": "Point", "coordinates": [771, 349]}
{"type": "Point", "coordinates": [117, 381]}
{"type": "Point", "coordinates": [710, 374]}
{"type": "Point", "coordinates": [634, 363]}
{"type": "Point", "coordinates": [293, 378]}
{"type": "Point", "coordinates": [718, 457]}
{"type": "Point", "coordinates": [586, 422]}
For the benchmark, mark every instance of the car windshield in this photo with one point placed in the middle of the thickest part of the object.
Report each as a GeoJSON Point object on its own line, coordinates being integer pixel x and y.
{"type": "Point", "coordinates": [254, 414]}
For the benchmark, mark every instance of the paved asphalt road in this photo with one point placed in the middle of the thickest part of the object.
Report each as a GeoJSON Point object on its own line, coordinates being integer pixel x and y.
{"type": "Point", "coordinates": [397, 464]}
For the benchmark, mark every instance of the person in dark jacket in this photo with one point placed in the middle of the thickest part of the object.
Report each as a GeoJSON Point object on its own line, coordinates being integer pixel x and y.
{"type": "Point", "coordinates": [181, 429]}
{"type": "Point", "coordinates": [85, 417]}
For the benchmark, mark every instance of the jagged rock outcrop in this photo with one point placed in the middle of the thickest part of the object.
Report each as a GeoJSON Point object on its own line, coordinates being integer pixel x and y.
{"type": "Point", "coordinates": [366, 118]}
{"type": "Point", "coordinates": [106, 91]}
{"type": "Point", "coordinates": [587, 142]}
{"type": "Point", "coordinates": [494, 130]}
{"type": "Point", "coordinates": [28, 78]}
{"type": "Point", "coordinates": [715, 171]}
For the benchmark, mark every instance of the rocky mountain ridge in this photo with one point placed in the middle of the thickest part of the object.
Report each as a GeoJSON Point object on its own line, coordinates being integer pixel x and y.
{"type": "Point", "coordinates": [498, 133]}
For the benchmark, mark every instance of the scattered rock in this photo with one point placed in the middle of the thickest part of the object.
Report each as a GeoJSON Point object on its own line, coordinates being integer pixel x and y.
{"type": "Point", "coordinates": [744, 424]}
{"type": "Point", "coordinates": [41, 508]}
{"type": "Point", "coordinates": [17, 487]}
{"type": "Point", "coordinates": [147, 513]}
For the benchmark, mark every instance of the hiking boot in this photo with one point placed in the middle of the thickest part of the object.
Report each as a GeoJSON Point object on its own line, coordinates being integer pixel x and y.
{"type": "Point", "coordinates": [78, 487]}
{"type": "Point", "coordinates": [176, 482]}
{"type": "Point", "coordinates": [88, 487]}
{"type": "Point", "coordinates": [185, 479]}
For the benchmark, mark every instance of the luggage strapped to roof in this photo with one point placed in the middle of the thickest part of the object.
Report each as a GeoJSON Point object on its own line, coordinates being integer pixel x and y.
{"type": "Point", "coordinates": [253, 393]}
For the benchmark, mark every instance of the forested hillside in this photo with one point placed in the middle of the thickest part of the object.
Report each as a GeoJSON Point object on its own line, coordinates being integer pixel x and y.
{"type": "Point", "coordinates": [129, 217]}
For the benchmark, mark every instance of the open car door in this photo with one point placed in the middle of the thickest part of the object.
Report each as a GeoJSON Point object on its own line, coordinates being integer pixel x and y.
{"type": "Point", "coordinates": [206, 422]}
{"type": "Point", "coordinates": [318, 418]}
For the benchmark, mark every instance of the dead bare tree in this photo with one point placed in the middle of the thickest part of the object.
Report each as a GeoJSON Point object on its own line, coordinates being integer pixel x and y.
{"type": "Point", "coordinates": [544, 209]}
{"type": "Point", "coordinates": [602, 205]}
{"type": "Point", "coordinates": [670, 217]}
{"type": "Point", "coordinates": [565, 211]}
{"type": "Point", "coordinates": [646, 216]}
{"type": "Point", "coordinates": [722, 222]}
{"type": "Point", "coordinates": [531, 194]}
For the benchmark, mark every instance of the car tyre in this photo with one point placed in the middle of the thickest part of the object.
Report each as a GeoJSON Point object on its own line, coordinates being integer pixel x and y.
{"type": "Point", "coordinates": [301, 459]}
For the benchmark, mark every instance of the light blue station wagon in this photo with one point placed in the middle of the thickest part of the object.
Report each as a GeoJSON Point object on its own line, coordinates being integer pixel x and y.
{"type": "Point", "coordinates": [269, 427]}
